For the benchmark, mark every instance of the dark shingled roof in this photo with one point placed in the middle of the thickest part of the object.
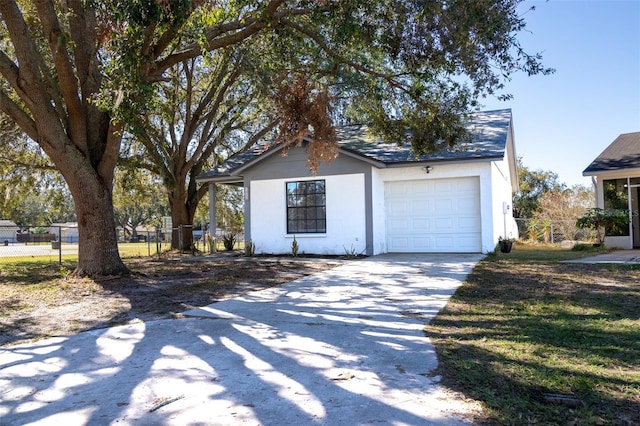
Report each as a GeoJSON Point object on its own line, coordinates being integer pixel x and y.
{"type": "Point", "coordinates": [489, 132]}
{"type": "Point", "coordinates": [623, 153]}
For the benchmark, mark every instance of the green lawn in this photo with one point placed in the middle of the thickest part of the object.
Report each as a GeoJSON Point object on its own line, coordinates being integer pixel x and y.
{"type": "Point", "coordinates": [42, 254]}
{"type": "Point", "coordinates": [525, 331]}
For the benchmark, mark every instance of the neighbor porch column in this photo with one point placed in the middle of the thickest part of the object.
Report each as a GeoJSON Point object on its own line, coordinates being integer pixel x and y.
{"type": "Point", "coordinates": [212, 209]}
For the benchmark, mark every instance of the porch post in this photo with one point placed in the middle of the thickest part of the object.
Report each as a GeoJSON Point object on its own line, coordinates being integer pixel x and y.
{"type": "Point", "coordinates": [212, 210]}
{"type": "Point", "coordinates": [630, 207]}
{"type": "Point", "coordinates": [247, 213]}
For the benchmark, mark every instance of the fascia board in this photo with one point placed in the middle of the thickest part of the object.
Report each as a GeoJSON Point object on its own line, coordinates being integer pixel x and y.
{"type": "Point", "coordinates": [257, 159]}
{"type": "Point", "coordinates": [614, 173]}
{"type": "Point", "coordinates": [363, 158]}
{"type": "Point", "coordinates": [444, 161]}
{"type": "Point", "coordinates": [220, 179]}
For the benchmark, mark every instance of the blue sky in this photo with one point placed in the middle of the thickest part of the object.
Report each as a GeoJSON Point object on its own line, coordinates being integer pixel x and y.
{"type": "Point", "coordinates": [564, 120]}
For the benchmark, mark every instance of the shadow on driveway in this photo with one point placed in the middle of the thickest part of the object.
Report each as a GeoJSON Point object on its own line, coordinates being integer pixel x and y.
{"type": "Point", "coordinates": [344, 346]}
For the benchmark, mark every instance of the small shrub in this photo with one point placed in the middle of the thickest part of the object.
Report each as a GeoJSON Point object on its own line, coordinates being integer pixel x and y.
{"type": "Point", "coordinates": [64, 272]}
{"type": "Point", "coordinates": [598, 219]}
{"type": "Point", "coordinates": [587, 247]}
{"type": "Point", "coordinates": [351, 252]}
{"type": "Point", "coordinates": [294, 247]}
{"type": "Point", "coordinates": [229, 241]}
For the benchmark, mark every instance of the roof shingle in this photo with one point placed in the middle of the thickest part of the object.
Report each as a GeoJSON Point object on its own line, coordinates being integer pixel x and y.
{"type": "Point", "coordinates": [623, 153]}
{"type": "Point", "coordinates": [489, 132]}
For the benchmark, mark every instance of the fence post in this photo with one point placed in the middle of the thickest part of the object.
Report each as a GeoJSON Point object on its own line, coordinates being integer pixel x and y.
{"type": "Point", "coordinates": [552, 237]}
{"type": "Point", "coordinates": [60, 245]}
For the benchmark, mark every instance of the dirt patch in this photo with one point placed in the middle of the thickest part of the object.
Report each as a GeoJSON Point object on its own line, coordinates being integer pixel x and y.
{"type": "Point", "coordinates": [36, 304]}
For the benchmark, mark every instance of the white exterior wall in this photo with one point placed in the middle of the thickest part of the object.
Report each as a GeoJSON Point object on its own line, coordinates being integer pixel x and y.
{"type": "Point", "coordinates": [8, 233]}
{"type": "Point", "coordinates": [483, 170]}
{"type": "Point", "coordinates": [345, 201]}
{"type": "Point", "coordinates": [504, 225]}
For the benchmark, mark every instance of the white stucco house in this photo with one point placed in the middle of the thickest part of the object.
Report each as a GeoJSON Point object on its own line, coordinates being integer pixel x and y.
{"type": "Point", "coordinates": [66, 232]}
{"type": "Point", "coordinates": [377, 197]}
{"type": "Point", "coordinates": [8, 230]}
{"type": "Point", "coordinates": [615, 174]}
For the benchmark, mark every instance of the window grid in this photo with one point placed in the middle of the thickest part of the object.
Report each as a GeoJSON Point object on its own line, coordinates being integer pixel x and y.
{"type": "Point", "coordinates": [306, 207]}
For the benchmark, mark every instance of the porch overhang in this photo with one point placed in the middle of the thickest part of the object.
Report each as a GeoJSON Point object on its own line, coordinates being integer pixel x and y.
{"type": "Point", "coordinates": [228, 180]}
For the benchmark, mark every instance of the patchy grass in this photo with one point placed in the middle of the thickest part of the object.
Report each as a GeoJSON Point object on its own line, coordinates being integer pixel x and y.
{"type": "Point", "coordinates": [27, 285]}
{"type": "Point", "coordinates": [525, 331]}
{"type": "Point", "coordinates": [36, 301]}
{"type": "Point", "coordinates": [43, 254]}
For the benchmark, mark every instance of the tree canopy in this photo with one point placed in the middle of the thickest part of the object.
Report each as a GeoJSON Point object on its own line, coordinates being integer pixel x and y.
{"type": "Point", "coordinates": [208, 109]}
{"type": "Point", "coordinates": [534, 184]}
{"type": "Point", "coordinates": [76, 72]}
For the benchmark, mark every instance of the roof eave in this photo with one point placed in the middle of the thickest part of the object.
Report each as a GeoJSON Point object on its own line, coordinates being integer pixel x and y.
{"type": "Point", "coordinates": [341, 150]}
{"type": "Point", "coordinates": [613, 173]}
{"type": "Point", "coordinates": [354, 154]}
{"type": "Point", "coordinates": [220, 179]}
{"type": "Point", "coordinates": [483, 159]}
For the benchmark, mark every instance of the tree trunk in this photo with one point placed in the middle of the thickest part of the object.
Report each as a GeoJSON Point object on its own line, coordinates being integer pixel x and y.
{"type": "Point", "coordinates": [181, 219]}
{"type": "Point", "coordinates": [98, 242]}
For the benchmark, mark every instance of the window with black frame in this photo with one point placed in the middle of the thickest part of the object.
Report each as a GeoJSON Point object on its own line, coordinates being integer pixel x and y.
{"type": "Point", "coordinates": [306, 207]}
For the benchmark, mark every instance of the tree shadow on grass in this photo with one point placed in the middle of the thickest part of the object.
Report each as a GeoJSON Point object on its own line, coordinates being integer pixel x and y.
{"type": "Point", "coordinates": [512, 335]}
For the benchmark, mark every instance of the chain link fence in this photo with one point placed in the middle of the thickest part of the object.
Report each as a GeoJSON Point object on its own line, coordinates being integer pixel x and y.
{"type": "Point", "coordinates": [53, 243]}
{"type": "Point", "coordinates": [553, 231]}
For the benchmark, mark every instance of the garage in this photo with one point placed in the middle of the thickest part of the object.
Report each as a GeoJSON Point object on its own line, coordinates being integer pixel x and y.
{"type": "Point", "coordinates": [433, 216]}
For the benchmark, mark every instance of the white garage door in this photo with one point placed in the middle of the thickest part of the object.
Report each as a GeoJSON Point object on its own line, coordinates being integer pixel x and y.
{"type": "Point", "coordinates": [435, 215]}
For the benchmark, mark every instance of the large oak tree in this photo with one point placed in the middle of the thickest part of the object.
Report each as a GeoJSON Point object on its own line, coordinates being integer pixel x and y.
{"type": "Point", "coordinates": [208, 109]}
{"type": "Point", "coordinates": [75, 71]}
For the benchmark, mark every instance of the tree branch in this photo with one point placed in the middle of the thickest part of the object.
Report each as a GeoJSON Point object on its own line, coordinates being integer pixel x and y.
{"type": "Point", "coordinates": [224, 35]}
{"type": "Point", "coordinates": [21, 118]}
{"type": "Point", "coordinates": [67, 80]}
{"type": "Point", "coordinates": [389, 78]}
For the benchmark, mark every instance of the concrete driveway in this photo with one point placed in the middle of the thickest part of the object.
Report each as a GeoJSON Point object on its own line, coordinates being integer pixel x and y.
{"type": "Point", "coordinates": [630, 257]}
{"type": "Point", "coordinates": [342, 347]}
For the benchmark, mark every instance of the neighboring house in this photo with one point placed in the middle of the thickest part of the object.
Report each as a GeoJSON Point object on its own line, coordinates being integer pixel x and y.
{"type": "Point", "coordinates": [143, 233]}
{"type": "Point", "coordinates": [8, 230]}
{"type": "Point", "coordinates": [378, 197]}
{"type": "Point", "coordinates": [616, 177]}
{"type": "Point", "coordinates": [65, 232]}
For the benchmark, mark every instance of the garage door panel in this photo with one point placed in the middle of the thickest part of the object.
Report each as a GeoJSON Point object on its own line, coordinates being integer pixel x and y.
{"type": "Point", "coordinates": [399, 244]}
{"type": "Point", "coordinates": [399, 226]}
{"type": "Point", "coordinates": [444, 206]}
{"type": "Point", "coordinates": [437, 215]}
{"type": "Point", "coordinates": [397, 207]}
{"type": "Point", "coordinates": [418, 187]}
{"type": "Point", "coordinates": [467, 185]}
{"type": "Point", "coordinates": [468, 224]}
{"type": "Point", "coordinates": [422, 244]}
{"type": "Point", "coordinates": [421, 225]}
{"type": "Point", "coordinates": [445, 224]}
{"type": "Point", "coordinates": [468, 243]}
{"type": "Point", "coordinates": [420, 206]}
{"type": "Point", "coordinates": [467, 204]}
{"type": "Point", "coordinates": [442, 185]}
{"type": "Point", "coordinates": [445, 244]}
